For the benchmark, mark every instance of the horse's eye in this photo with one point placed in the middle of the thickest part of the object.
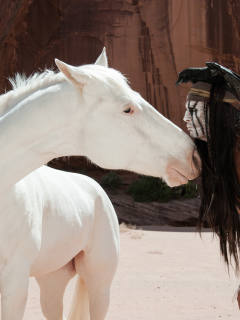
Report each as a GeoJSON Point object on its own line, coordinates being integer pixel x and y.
{"type": "Point", "coordinates": [128, 110]}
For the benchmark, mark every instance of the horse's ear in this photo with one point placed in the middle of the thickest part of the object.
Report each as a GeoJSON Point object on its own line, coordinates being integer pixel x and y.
{"type": "Point", "coordinates": [73, 74]}
{"type": "Point", "coordinates": [102, 59]}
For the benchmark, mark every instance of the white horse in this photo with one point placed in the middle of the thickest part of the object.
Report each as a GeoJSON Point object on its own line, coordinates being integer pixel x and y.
{"type": "Point", "coordinates": [55, 224]}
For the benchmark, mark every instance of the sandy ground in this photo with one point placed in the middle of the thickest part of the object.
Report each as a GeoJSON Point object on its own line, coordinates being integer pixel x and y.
{"type": "Point", "coordinates": [165, 275]}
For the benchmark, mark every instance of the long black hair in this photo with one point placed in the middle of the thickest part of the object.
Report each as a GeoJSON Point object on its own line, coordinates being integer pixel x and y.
{"type": "Point", "coordinates": [220, 188]}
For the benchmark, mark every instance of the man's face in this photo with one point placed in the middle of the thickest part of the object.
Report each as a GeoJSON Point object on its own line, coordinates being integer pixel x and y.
{"type": "Point", "coordinates": [195, 119]}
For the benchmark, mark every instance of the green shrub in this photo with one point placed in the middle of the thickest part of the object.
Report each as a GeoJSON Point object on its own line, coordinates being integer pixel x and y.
{"type": "Point", "coordinates": [111, 181]}
{"type": "Point", "coordinates": [148, 189]}
{"type": "Point", "coordinates": [190, 190]}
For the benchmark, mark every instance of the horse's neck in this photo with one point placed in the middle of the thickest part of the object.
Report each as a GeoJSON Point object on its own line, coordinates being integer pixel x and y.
{"type": "Point", "coordinates": [38, 129]}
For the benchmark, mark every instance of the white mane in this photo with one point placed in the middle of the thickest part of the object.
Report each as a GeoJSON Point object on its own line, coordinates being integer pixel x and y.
{"type": "Point", "coordinates": [22, 87]}
{"type": "Point", "coordinates": [21, 81]}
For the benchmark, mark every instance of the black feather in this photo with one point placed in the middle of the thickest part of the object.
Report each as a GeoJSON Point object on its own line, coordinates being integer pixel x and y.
{"type": "Point", "coordinates": [214, 74]}
{"type": "Point", "coordinates": [229, 76]}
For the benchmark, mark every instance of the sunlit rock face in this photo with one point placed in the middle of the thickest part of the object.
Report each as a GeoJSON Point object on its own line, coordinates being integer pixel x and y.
{"type": "Point", "coordinates": [150, 41]}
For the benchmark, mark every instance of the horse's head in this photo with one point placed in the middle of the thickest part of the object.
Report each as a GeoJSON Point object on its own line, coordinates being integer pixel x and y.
{"type": "Point", "coordinates": [123, 131]}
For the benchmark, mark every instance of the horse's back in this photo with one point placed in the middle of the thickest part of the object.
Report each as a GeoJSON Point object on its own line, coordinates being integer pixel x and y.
{"type": "Point", "coordinates": [53, 216]}
{"type": "Point", "coordinates": [68, 204]}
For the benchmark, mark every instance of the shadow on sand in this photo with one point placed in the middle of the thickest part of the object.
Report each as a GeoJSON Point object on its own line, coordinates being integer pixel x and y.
{"type": "Point", "coordinates": [172, 229]}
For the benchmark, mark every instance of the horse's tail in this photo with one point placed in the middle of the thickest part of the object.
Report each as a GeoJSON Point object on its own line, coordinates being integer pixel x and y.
{"type": "Point", "coordinates": [80, 303]}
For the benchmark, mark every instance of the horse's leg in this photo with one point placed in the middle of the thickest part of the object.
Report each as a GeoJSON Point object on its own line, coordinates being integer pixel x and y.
{"type": "Point", "coordinates": [52, 288]}
{"type": "Point", "coordinates": [97, 266]}
{"type": "Point", "coordinates": [14, 280]}
{"type": "Point", "coordinates": [98, 279]}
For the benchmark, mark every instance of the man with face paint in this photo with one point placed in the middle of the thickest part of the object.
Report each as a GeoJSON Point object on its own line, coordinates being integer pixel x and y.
{"type": "Point", "coordinates": [197, 105]}
{"type": "Point", "coordinates": [213, 121]}
{"type": "Point", "coordinates": [195, 119]}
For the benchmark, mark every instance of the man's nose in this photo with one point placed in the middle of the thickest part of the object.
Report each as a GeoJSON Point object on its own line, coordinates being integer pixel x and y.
{"type": "Point", "coordinates": [187, 116]}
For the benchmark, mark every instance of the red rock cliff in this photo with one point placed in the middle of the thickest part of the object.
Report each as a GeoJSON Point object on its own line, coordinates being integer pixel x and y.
{"type": "Point", "coordinates": [148, 40]}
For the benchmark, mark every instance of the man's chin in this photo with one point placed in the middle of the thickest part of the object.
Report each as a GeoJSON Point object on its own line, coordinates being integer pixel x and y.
{"type": "Point", "coordinates": [199, 136]}
{"type": "Point", "coordinates": [192, 134]}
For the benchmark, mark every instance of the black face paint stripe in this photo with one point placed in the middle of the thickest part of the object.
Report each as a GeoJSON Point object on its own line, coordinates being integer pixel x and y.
{"type": "Point", "coordinates": [202, 129]}
{"type": "Point", "coordinates": [191, 112]}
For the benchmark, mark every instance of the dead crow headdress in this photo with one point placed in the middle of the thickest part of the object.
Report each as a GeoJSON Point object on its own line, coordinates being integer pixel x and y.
{"type": "Point", "coordinates": [219, 89]}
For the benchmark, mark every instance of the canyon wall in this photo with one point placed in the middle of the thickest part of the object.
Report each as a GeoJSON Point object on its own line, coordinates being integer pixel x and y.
{"type": "Point", "coordinates": [150, 41]}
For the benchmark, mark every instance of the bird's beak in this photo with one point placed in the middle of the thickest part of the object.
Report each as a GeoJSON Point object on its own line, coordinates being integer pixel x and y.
{"type": "Point", "coordinates": [178, 82]}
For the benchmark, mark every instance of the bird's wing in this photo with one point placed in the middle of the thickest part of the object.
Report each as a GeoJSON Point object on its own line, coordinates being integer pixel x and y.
{"type": "Point", "coordinates": [231, 77]}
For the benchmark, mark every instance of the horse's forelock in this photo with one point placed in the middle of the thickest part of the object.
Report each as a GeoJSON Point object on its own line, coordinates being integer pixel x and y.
{"type": "Point", "coordinates": [107, 76]}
